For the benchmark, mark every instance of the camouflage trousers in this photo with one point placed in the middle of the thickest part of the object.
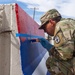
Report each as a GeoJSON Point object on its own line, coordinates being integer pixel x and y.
{"type": "Point", "coordinates": [60, 67]}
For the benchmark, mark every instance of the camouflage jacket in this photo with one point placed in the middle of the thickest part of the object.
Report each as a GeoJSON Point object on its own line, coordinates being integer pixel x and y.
{"type": "Point", "coordinates": [64, 38]}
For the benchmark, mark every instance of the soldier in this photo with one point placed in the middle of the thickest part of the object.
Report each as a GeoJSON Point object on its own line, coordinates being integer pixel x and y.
{"type": "Point", "coordinates": [62, 56]}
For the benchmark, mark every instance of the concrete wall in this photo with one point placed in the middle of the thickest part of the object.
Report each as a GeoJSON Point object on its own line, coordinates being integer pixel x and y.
{"type": "Point", "coordinates": [9, 45]}
{"type": "Point", "coordinates": [14, 19]}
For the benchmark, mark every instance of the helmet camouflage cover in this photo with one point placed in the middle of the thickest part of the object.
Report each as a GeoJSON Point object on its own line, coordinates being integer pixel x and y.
{"type": "Point", "coordinates": [49, 15]}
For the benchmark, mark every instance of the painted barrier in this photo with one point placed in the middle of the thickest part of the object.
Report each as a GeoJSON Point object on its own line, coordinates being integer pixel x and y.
{"type": "Point", "coordinates": [18, 56]}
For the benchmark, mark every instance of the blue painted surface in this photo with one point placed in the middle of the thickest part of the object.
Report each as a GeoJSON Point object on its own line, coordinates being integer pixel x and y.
{"type": "Point", "coordinates": [48, 73]}
{"type": "Point", "coordinates": [27, 35]}
{"type": "Point", "coordinates": [31, 55]}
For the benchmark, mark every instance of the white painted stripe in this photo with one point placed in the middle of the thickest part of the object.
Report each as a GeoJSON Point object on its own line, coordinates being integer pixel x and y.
{"type": "Point", "coordinates": [41, 68]}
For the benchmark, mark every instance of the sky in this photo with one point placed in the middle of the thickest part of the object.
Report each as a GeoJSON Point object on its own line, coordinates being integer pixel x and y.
{"type": "Point", "coordinates": [65, 7]}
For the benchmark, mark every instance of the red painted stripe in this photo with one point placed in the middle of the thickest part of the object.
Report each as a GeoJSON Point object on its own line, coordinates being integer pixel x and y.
{"type": "Point", "coordinates": [26, 24]}
{"type": "Point", "coordinates": [16, 10]}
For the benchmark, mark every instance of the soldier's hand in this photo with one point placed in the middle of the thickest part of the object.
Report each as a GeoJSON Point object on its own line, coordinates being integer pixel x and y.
{"type": "Point", "coordinates": [45, 43]}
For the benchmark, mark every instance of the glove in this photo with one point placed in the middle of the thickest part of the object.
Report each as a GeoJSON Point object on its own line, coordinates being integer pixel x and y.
{"type": "Point", "coordinates": [45, 43]}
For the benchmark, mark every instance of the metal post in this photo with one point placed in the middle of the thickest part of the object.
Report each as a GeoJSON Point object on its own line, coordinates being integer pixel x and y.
{"type": "Point", "coordinates": [34, 13]}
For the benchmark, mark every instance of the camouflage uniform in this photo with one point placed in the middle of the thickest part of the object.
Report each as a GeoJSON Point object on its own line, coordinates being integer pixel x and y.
{"type": "Point", "coordinates": [62, 56]}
